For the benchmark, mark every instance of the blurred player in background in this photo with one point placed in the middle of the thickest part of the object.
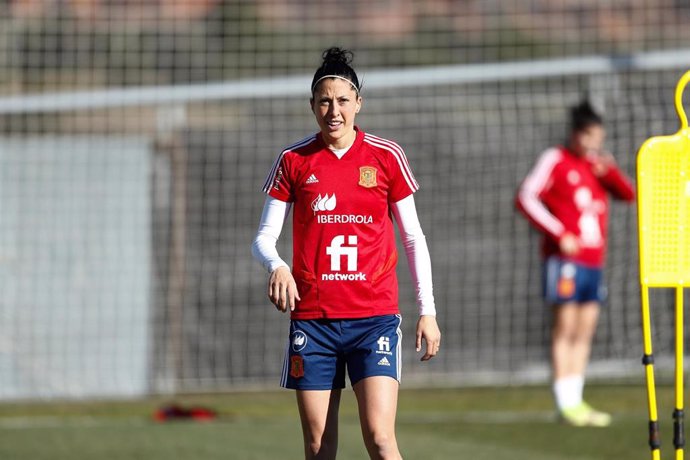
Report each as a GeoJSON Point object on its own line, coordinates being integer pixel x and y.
{"type": "Point", "coordinates": [344, 187]}
{"type": "Point", "coordinates": [565, 196]}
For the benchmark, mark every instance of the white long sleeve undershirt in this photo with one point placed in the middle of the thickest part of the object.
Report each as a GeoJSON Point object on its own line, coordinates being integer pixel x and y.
{"type": "Point", "coordinates": [417, 252]}
{"type": "Point", "coordinates": [264, 245]}
{"type": "Point", "coordinates": [414, 242]}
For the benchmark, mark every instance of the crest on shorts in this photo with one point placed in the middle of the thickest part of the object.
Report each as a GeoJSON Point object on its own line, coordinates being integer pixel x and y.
{"type": "Point", "coordinates": [367, 176]}
{"type": "Point", "coordinates": [566, 282]}
{"type": "Point", "coordinates": [296, 366]}
{"type": "Point", "coordinates": [566, 287]}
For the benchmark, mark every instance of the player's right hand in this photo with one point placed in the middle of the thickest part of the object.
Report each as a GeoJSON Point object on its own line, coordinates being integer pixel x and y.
{"type": "Point", "coordinates": [282, 289]}
{"type": "Point", "coordinates": [568, 244]}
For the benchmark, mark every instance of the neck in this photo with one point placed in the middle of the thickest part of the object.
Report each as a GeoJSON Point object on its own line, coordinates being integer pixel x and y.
{"type": "Point", "coordinates": [574, 150]}
{"type": "Point", "coordinates": [341, 142]}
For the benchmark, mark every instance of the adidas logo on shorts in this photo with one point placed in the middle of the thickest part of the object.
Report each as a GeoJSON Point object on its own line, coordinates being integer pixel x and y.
{"type": "Point", "coordinates": [312, 180]}
{"type": "Point", "coordinates": [384, 362]}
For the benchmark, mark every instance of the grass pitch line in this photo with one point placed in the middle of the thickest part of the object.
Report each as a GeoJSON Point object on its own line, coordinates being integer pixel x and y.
{"type": "Point", "coordinates": [473, 417]}
{"type": "Point", "coordinates": [485, 417]}
{"type": "Point", "coordinates": [19, 423]}
{"type": "Point", "coordinates": [476, 449]}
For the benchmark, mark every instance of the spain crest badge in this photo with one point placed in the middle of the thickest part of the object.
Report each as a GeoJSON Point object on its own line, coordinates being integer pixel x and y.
{"type": "Point", "coordinates": [367, 176]}
{"type": "Point", "coordinates": [296, 366]}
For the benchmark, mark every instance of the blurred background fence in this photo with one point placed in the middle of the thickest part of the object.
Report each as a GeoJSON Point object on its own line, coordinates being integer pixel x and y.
{"type": "Point", "coordinates": [135, 136]}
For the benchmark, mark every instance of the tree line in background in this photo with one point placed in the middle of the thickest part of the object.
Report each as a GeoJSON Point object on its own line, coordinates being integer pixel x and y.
{"type": "Point", "coordinates": [60, 44]}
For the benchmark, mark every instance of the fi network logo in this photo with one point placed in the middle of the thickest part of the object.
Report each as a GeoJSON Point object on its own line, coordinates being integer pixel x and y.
{"type": "Point", "coordinates": [384, 343]}
{"type": "Point", "coordinates": [338, 250]}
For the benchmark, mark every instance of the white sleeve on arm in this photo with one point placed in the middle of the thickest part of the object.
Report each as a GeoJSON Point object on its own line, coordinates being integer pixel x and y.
{"type": "Point", "coordinates": [264, 245]}
{"type": "Point", "coordinates": [417, 252]}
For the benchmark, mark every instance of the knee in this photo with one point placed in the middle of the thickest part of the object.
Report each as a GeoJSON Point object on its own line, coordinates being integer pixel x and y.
{"type": "Point", "coordinates": [312, 450]}
{"type": "Point", "coordinates": [585, 337]}
{"type": "Point", "coordinates": [574, 337]}
{"type": "Point", "coordinates": [563, 334]}
{"type": "Point", "coordinates": [385, 446]}
{"type": "Point", "coordinates": [320, 448]}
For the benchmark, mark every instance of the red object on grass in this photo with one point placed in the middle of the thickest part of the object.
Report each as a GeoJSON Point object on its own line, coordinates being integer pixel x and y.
{"type": "Point", "coordinates": [175, 412]}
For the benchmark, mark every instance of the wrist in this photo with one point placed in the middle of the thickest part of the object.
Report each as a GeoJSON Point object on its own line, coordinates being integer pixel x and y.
{"type": "Point", "coordinates": [276, 265]}
{"type": "Point", "coordinates": [427, 310]}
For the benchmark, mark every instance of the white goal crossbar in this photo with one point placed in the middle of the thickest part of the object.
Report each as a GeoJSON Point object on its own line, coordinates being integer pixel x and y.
{"type": "Point", "coordinates": [261, 88]}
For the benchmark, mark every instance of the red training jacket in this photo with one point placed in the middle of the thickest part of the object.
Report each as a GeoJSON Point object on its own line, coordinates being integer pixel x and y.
{"type": "Point", "coordinates": [562, 194]}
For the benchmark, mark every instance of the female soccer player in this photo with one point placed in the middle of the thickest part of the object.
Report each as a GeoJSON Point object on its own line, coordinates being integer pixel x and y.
{"type": "Point", "coordinates": [565, 196]}
{"type": "Point", "coordinates": [343, 186]}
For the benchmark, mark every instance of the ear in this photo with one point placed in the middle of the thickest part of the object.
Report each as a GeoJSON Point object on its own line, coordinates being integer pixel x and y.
{"type": "Point", "coordinates": [359, 104]}
{"type": "Point", "coordinates": [311, 104]}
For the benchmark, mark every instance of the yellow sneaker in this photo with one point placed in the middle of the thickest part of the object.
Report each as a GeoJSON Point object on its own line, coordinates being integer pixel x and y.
{"type": "Point", "coordinates": [584, 415]}
{"type": "Point", "coordinates": [576, 415]}
{"type": "Point", "coordinates": [596, 418]}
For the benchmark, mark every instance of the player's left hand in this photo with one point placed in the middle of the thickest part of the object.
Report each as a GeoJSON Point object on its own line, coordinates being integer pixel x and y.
{"type": "Point", "coordinates": [428, 331]}
{"type": "Point", "coordinates": [601, 163]}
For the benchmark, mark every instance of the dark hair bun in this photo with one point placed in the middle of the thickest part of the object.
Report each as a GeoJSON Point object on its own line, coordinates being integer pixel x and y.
{"type": "Point", "coordinates": [584, 115]}
{"type": "Point", "coordinates": [336, 54]}
{"type": "Point", "coordinates": [336, 62]}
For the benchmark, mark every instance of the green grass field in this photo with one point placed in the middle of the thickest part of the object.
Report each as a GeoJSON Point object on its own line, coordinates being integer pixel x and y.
{"type": "Point", "coordinates": [514, 423]}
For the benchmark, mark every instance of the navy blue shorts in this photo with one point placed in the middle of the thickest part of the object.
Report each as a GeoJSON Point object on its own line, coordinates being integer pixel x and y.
{"type": "Point", "coordinates": [320, 350]}
{"type": "Point", "coordinates": [566, 281]}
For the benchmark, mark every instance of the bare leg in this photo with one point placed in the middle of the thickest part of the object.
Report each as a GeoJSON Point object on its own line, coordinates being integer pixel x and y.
{"type": "Point", "coordinates": [318, 410]}
{"type": "Point", "coordinates": [377, 399]}
{"type": "Point", "coordinates": [587, 318]}
{"type": "Point", "coordinates": [562, 336]}
{"type": "Point", "coordinates": [573, 330]}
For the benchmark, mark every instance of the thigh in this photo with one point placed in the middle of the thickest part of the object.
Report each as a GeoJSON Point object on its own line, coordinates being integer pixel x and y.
{"type": "Point", "coordinates": [377, 400]}
{"type": "Point", "coordinates": [588, 317]}
{"type": "Point", "coordinates": [565, 319]}
{"type": "Point", "coordinates": [318, 411]}
{"type": "Point", "coordinates": [373, 347]}
{"type": "Point", "coordinates": [312, 359]}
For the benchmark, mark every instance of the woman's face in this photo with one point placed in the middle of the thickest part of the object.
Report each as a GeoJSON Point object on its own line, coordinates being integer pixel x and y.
{"type": "Point", "coordinates": [335, 104]}
{"type": "Point", "coordinates": [589, 141]}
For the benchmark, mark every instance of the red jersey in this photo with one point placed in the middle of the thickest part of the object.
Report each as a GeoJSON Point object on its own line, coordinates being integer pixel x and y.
{"type": "Point", "coordinates": [562, 194]}
{"type": "Point", "coordinates": [344, 251]}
